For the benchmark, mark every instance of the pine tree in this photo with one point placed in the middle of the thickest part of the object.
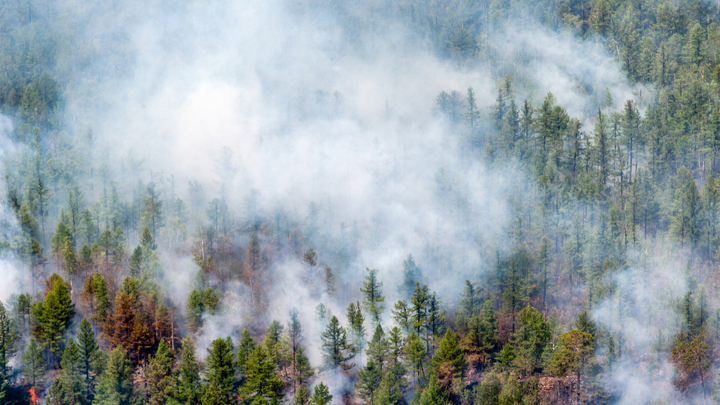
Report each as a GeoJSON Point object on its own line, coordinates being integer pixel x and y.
{"type": "Point", "coordinates": [355, 324]}
{"type": "Point", "coordinates": [368, 381]}
{"type": "Point", "coordinates": [263, 382]}
{"type": "Point", "coordinates": [295, 337]}
{"type": "Point", "coordinates": [188, 386]}
{"type": "Point", "coordinates": [136, 262]}
{"type": "Point", "coordinates": [152, 214]}
{"type": "Point", "coordinates": [194, 310]}
{"type": "Point", "coordinates": [160, 376]}
{"type": "Point", "coordinates": [67, 388]}
{"type": "Point", "coordinates": [372, 290]}
{"type": "Point", "coordinates": [419, 301]}
{"type": "Point", "coordinates": [120, 325]}
{"type": "Point", "coordinates": [434, 327]}
{"type": "Point", "coordinates": [402, 315]}
{"type": "Point", "coordinates": [211, 301]}
{"type": "Point", "coordinates": [450, 358]}
{"type": "Point", "coordinates": [220, 372]}
{"type": "Point", "coordinates": [321, 395]}
{"type": "Point", "coordinates": [90, 355]}
{"type": "Point", "coordinates": [246, 347]}
{"type": "Point", "coordinates": [532, 337]}
{"type": "Point", "coordinates": [395, 344]}
{"type": "Point", "coordinates": [416, 355]}
{"type": "Point", "coordinates": [433, 394]}
{"type": "Point", "coordinates": [391, 387]}
{"type": "Point", "coordinates": [378, 347]}
{"type": "Point", "coordinates": [470, 302]}
{"type": "Point", "coordinates": [115, 386]}
{"type": "Point", "coordinates": [411, 276]}
{"type": "Point", "coordinates": [34, 366]}
{"type": "Point", "coordinates": [140, 340]}
{"type": "Point", "coordinates": [54, 313]}
{"type": "Point", "coordinates": [482, 330]}
{"type": "Point", "coordinates": [303, 370]}
{"type": "Point", "coordinates": [8, 342]}
{"type": "Point", "coordinates": [302, 396]}
{"type": "Point", "coordinates": [164, 325]}
{"type": "Point", "coordinates": [335, 348]}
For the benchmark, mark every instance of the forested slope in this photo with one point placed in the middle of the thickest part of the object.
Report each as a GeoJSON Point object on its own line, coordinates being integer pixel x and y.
{"type": "Point", "coordinates": [429, 202]}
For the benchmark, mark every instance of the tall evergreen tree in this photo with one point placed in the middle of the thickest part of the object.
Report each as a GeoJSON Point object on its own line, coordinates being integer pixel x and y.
{"type": "Point", "coordinates": [160, 376]}
{"type": "Point", "coordinates": [115, 386]}
{"type": "Point", "coordinates": [373, 298]}
{"type": "Point", "coordinates": [220, 372]}
{"type": "Point", "coordinates": [336, 350]}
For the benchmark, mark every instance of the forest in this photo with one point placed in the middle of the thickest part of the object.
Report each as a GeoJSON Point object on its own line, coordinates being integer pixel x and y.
{"type": "Point", "coordinates": [409, 202]}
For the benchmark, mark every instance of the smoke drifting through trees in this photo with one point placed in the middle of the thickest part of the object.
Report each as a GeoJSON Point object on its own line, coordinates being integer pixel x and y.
{"type": "Point", "coordinates": [242, 160]}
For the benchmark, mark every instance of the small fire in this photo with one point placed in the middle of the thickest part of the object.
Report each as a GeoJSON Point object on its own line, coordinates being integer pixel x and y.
{"type": "Point", "coordinates": [33, 395]}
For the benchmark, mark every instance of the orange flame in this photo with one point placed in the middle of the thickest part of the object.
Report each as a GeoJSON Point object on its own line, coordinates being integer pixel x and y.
{"type": "Point", "coordinates": [33, 395]}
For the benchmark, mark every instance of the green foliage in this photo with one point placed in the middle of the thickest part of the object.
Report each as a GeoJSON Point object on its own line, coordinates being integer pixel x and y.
{"type": "Point", "coordinates": [90, 355]}
{"type": "Point", "coordinates": [302, 396]}
{"type": "Point", "coordinates": [34, 366]}
{"type": "Point", "coordinates": [532, 338]}
{"type": "Point", "coordinates": [373, 298]}
{"type": "Point", "coordinates": [263, 382]}
{"type": "Point", "coordinates": [53, 314]}
{"type": "Point", "coordinates": [368, 381]}
{"type": "Point", "coordinates": [115, 386]}
{"type": "Point", "coordinates": [160, 376]}
{"type": "Point", "coordinates": [220, 372]}
{"type": "Point", "coordinates": [450, 358]}
{"type": "Point", "coordinates": [8, 341]}
{"type": "Point", "coordinates": [335, 347]}
{"type": "Point", "coordinates": [321, 394]}
{"type": "Point", "coordinates": [433, 394]}
{"type": "Point", "coordinates": [189, 383]}
{"type": "Point", "coordinates": [246, 347]}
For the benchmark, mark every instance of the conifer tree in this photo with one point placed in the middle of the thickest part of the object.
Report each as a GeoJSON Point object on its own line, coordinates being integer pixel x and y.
{"type": "Point", "coordinates": [136, 262]}
{"type": "Point", "coordinates": [8, 342]}
{"type": "Point", "coordinates": [482, 330]}
{"type": "Point", "coordinates": [90, 355]}
{"type": "Point", "coordinates": [395, 343]}
{"type": "Point", "coordinates": [164, 325]}
{"type": "Point", "coordinates": [419, 301]}
{"type": "Point", "coordinates": [302, 396]}
{"type": "Point", "coordinates": [335, 348]}
{"type": "Point", "coordinates": [392, 385]}
{"type": "Point", "coordinates": [160, 376]}
{"type": "Point", "coordinates": [411, 276]}
{"type": "Point", "coordinates": [368, 381]}
{"type": "Point", "coordinates": [246, 347]}
{"type": "Point", "coordinates": [355, 323]}
{"type": "Point", "coordinates": [34, 366]}
{"type": "Point", "coordinates": [402, 315]}
{"type": "Point", "coordinates": [263, 382]}
{"type": "Point", "coordinates": [373, 298]}
{"type": "Point", "coordinates": [140, 339]}
{"type": "Point", "coordinates": [120, 325]}
{"type": "Point", "coordinates": [54, 313]}
{"type": "Point", "coordinates": [378, 347]}
{"type": "Point", "coordinates": [321, 395]}
{"type": "Point", "coordinates": [220, 372]}
{"type": "Point", "coordinates": [433, 393]}
{"type": "Point", "coordinates": [67, 388]}
{"type": "Point", "coordinates": [115, 386]}
{"type": "Point", "coordinates": [303, 370]}
{"type": "Point", "coordinates": [189, 386]}
{"type": "Point", "coordinates": [194, 310]}
{"type": "Point", "coordinates": [415, 352]}
{"type": "Point", "coordinates": [450, 358]}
